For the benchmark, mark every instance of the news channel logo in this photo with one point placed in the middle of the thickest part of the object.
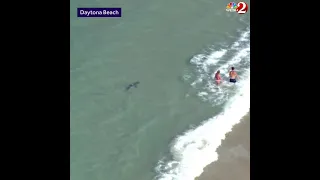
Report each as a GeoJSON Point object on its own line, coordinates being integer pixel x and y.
{"type": "Point", "coordinates": [240, 7]}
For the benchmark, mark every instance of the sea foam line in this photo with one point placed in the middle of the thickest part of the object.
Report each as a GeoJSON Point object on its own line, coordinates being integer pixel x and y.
{"type": "Point", "coordinates": [195, 149]}
{"type": "Point", "coordinates": [203, 62]}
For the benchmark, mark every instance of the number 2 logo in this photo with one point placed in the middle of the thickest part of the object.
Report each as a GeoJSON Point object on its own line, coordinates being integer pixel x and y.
{"type": "Point", "coordinates": [242, 8]}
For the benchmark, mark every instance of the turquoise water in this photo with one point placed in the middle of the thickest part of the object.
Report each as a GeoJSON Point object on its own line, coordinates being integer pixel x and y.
{"type": "Point", "coordinates": [122, 135]}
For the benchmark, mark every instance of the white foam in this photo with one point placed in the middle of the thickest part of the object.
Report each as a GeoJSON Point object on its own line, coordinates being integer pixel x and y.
{"type": "Point", "coordinates": [204, 62]}
{"type": "Point", "coordinates": [195, 149]}
{"type": "Point", "coordinates": [216, 95]}
{"type": "Point", "coordinates": [215, 57]}
{"type": "Point", "coordinates": [198, 59]}
{"type": "Point", "coordinates": [235, 60]}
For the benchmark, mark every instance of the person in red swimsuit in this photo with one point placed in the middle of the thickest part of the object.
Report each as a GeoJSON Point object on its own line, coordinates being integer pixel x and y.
{"type": "Point", "coordinates": [217, 77]}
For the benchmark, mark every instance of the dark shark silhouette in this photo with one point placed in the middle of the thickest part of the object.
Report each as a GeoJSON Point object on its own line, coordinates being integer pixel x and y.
{"type": "Point", "coordinates": [135, 84]}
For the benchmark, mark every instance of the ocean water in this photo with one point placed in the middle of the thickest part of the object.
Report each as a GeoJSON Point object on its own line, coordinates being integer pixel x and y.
{"type": "Point", "coordinates": [169, 127]}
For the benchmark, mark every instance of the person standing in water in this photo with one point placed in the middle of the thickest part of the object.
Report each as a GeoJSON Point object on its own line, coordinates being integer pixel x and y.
{"type": "Point", "coordinates": [233, 75]}
{"type": "Point", "coordinates": [217, 77]}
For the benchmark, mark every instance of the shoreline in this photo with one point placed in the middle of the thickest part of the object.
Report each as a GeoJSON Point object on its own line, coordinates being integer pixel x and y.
{"type": "Point", "coordinates": [233, 155]}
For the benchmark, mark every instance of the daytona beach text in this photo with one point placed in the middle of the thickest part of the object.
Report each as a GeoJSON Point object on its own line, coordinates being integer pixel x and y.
{"type": "Point", "coordinates": [101, 12]}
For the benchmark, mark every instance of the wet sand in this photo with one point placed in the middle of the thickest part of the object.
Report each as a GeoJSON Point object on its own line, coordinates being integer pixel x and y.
{"type": "Point", "coordinates": [234, 155]}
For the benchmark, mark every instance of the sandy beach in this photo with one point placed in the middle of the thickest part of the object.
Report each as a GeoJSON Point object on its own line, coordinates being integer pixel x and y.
{"type": "Point", "coordinates": [234, 155]}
